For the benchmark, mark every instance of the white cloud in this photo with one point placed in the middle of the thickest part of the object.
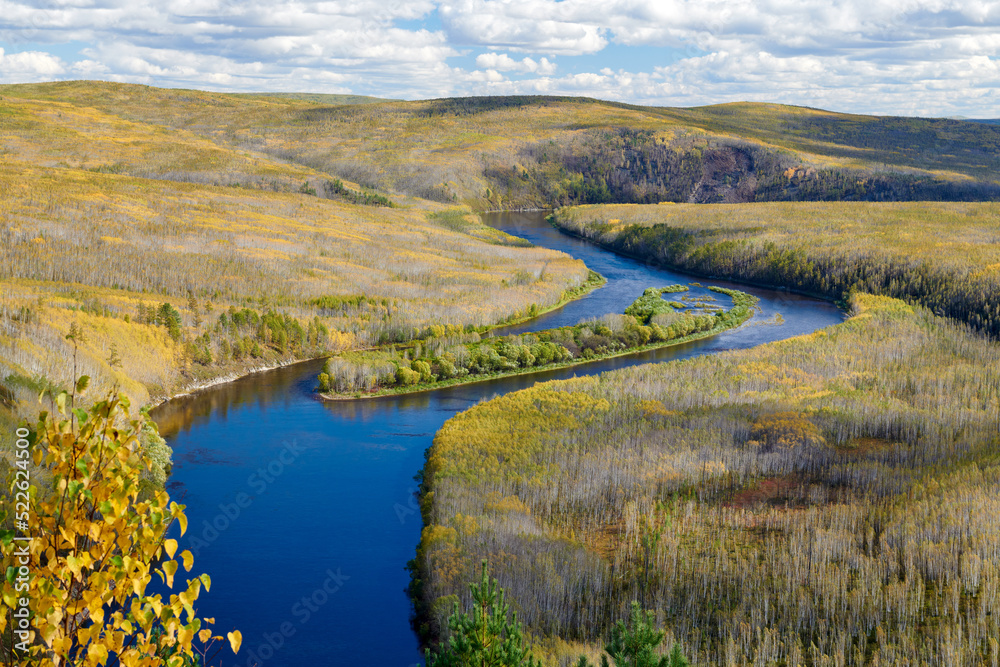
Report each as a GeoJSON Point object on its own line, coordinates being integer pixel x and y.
{"type": "Point", "coordinates": [904, 56]}
{"type": "Point", "coordinates": [523, 25]}
{"type": "Point", "coordinates": [29, 66]}
{"type": "Point", "coordinates": [504, 63]}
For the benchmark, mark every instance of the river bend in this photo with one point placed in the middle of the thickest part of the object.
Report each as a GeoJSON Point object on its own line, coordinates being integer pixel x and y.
{"type": "Point", "coordinates": [303, 511]}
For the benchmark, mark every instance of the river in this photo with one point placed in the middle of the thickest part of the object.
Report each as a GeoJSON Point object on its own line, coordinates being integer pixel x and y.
{"type": "Point", "coordinates": [303, 511]}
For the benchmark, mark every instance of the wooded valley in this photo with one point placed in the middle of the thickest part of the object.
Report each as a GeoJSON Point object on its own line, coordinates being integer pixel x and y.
{"type": "Point", "coordinates": [829, 500]}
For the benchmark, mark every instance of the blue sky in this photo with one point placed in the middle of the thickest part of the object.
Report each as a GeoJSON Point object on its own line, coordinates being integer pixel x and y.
{"type": "Point", "coordinates": [907, 57]}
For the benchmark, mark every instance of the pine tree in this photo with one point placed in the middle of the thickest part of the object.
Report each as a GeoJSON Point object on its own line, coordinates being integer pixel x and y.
{"type": "Point", "coordinates": [485, 637]}
{"type": "Point", "coordinates": [193, 307]}
{"type": "Point", "coordinates": [634, 645]}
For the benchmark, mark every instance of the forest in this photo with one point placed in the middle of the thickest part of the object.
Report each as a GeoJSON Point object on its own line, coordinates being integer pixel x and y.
{"type": "Point", "coordinates": [456, 357]}
{"type": "Point", "coordinates": [944, 256]}
{"type": "Point", "coordinates": [183, 262]}
{"type": "Point", "coordinates": [104, 250]}
{"type": "Point", "coordinates": [510, 152]}
{"type": "Point", "coordinates": [827, 500]}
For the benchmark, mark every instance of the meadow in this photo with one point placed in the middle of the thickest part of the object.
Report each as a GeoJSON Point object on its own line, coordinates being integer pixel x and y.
{"type": "Point", "coordinates": [826, 500]}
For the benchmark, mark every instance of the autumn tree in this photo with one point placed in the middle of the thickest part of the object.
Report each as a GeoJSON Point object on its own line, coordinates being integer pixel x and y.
{"type": "Point", "coordinates": [85, 551]}
{"type": "Point", "coordinates": [784, 430]}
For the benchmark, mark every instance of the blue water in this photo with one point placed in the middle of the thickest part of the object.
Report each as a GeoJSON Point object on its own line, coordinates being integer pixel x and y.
{"type": "Point", "coordinates": [303, 512]}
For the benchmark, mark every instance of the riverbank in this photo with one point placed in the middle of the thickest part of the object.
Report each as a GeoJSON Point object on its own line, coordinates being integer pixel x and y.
{"type": "Point", "coordinates": [739, 313]}
{"type": "Point", "coordinates": [270, 438]}
{"type": "Point", "coordinates": [824, 249]}
{"type": "Point", "coordinates": [649, 258]}
{"type": "Point", "coordinates": [454, 382]}
{"type": "Point", "coordinates": [841, 456]}
{"type": "Point", "coordinates": [594, 281]}
{"type": "Point", "coordinates": [189, 390]}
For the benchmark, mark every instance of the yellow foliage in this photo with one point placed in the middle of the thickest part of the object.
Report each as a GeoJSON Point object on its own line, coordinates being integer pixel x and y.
{"type": "Point", "coordinates": [655, 409]}
{"type": "Point", "coordinates": [97, 543]}
{"type": "Point", "coordinates": [506, 504]}
{"type": "Point", "coordinates": [784, 430]}
{"type": "Point", "coordinates": [805, 479]}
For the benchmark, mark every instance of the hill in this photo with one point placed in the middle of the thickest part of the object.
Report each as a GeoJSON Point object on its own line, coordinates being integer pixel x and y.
{"type": "Point", "coordinates": [536, 151]}
{"type": "Point", "coordinates": [320, 98]}
{"type": "Point", "coordinates": [177, 258]}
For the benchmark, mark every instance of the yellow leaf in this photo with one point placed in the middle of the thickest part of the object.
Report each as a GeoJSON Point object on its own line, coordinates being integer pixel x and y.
{"type": "Point", "coordinates": [157, 605]}
{"type": "Point", "coordinates": [97, 615]}
{"type": "Point", "coordinates": [183, 521]}
{"type": "Point", "coordinates": [170, 546]}
{"type": "Point", "coordinates": [169, 568]}
{"type": "Point", "coordinates": [188, 560]}
{"type": "Point", "coordinates": [204, 635]}
{"type": "Point", "coordinates": [74, 564]}
{"type": "Point", "coordinates": [235, 639]}
{"type": "Point", "coordinates": [98, 653]}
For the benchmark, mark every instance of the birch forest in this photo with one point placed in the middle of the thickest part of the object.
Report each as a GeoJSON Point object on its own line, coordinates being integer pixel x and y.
{"type": "Point", "coordinates": [182, 261]}
{"type": "Point", "coordinates": [944, 256]}
{"type": "Point", "coordinates": [826, 500]}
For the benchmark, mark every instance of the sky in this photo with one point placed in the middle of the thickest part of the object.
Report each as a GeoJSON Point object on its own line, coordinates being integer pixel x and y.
{"type": "Point", "coordinates": [901, 57]}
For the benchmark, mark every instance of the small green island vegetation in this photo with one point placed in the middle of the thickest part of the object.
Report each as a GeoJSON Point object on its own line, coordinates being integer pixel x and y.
{"type": "Point", "coordinates": [448, 357]}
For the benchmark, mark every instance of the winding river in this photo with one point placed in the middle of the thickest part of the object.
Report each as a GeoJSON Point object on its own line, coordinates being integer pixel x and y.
{"type": "Point", "coordinates": [303, 512]}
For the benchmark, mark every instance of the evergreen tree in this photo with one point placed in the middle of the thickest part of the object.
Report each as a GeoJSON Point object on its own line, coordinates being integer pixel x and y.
{"type": "Point", "coordinates": [485, 637]}
{"type": "Point", "coordinates": [114, 361]}
{"type": "Point", "coordinates": [634, 645]}
{"type": "Point", "coordinates": [169, 317]}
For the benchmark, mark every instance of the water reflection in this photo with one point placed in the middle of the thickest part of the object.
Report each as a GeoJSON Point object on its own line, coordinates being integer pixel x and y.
{"type": "Point", "coordinates": [272, 388]}
{"type": "Point", "coordinates": [283, 490]}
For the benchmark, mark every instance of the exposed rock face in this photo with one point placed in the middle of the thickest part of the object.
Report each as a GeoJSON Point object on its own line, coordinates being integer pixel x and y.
{"type": "Point", "coordinates": [728, 177]}
{"type": "Point", "coordinates": [626, 165]}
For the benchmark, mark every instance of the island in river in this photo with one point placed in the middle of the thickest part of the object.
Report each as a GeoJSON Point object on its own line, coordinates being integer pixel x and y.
{"type": "Point", "coordinates": [458, 357]}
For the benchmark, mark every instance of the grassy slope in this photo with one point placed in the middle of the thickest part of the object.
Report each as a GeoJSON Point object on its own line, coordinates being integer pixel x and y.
{"type": "Point", "coordinates": [830, 499]}
{"type": "Point", "coordinates": [532, 151]}
{"type": "Point", "coordinates": [103, 213]}
{"type": "Point", "coordinates": [321, 98]}
{"type": "Point", "coordinates": [933, 144]}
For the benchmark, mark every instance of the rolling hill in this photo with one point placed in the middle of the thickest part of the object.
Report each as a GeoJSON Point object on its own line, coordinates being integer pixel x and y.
{"type": "Point", "coordinates": [535, 151]}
